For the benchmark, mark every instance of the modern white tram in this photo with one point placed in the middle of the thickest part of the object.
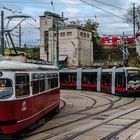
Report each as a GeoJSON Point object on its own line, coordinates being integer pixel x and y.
{"type": "Point", "coordinates": [116, 80]}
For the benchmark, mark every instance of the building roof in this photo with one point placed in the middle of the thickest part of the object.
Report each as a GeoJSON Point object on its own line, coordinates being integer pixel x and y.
{"type": "Point", "coordinates": [72, 27]}
{"type": "Point", "coordinates": [47, 13]}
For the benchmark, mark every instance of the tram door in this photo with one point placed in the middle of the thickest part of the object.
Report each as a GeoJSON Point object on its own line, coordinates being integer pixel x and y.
{"type": "Point", "coordinates": [106, 82]}
{"type": "Point", "coordinates": [89, 81]}
{"type": "Point", "coordinates": [120, 82]}
{"type": "Point", "coordinates": [22, 90]}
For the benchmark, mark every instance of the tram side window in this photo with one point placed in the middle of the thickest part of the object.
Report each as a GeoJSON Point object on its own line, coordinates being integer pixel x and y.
{"type": "Point", "coordinates": [22, 85]}
{"type": "Point", "coordinates": [52, 81]}
{"type": "Point", "coordinates": [6, 89]}
{"type": "Point", "coordinates": [49, 81]}
{"type": "Point", "coordinates": [120, 80]}
{"type": "Point", "coordinates": [89, 78]}
{"type": "Point", "coordinates": [68, 78]}
{"type": "Point", "coordinates": [35, 83]}
{"type": "Point", "coordinates": [41, 82]}
{"type": "Point", "coordinates": [106, 78]}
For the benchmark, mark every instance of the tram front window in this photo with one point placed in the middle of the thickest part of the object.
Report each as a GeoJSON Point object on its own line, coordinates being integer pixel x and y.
{"type": "Point", "coordinates": [133, 78]}
{"type": "Point", "coordinates": [5, 88]}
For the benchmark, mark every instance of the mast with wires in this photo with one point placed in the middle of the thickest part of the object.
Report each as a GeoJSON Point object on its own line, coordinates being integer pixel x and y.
{"type": "Point", "coordinates": [19, 35]}
{"type": "Point", "coordinates": [8, 31]}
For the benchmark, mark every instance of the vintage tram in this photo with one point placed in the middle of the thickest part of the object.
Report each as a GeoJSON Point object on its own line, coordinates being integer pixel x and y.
{"type": "Point", "coordinates": [27, 93]}
{"type": "Point", "coordinates": [116, 80]}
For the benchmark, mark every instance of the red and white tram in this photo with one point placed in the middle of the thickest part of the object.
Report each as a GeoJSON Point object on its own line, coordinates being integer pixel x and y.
{"type": "Point", "coordinates": [27, 93]}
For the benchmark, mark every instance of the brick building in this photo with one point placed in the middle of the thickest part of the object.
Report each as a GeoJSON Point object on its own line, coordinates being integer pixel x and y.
{"type": "Point", "coordinates": [75, 43]}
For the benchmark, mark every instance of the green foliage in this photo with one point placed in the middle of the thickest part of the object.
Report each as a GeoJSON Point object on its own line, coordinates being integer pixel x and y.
{"type": "Point", "coordinates": [88, 24]}
{"type": "Point", "coordinates": [114, 54]}
{"type": "Point", "coordinates": [134, 62]}
{"type": "Point", "coordinates": [29, 52]}
{"type": "Point", "coordinates": [91, 25]}
{"type": "Point", "coordinates": [74, 23]}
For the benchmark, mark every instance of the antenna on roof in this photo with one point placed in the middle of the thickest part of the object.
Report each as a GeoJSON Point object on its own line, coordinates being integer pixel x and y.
{"type": "Point", "coordinates": [52, 6]}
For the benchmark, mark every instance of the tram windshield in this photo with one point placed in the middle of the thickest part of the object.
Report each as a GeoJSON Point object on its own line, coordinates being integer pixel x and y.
{"type": "Point", "coordinates": [5, 88]}
{"type": "Point", "coordinates": [133, 78]}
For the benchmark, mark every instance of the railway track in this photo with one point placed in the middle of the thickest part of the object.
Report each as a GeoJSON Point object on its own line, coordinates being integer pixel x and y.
{"type": "Point", "coordinates": [75, 133]}
{"type": "Point", "coordinates": [93, 112]}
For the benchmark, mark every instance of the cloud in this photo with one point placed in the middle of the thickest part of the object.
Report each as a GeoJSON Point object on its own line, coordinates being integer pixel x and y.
{"type": "Point", "coordinates": [62, 1]}
{"type": "Point", "coordinates": [72, 11]}
{"type": "Point", "coordinates": [72, 8]}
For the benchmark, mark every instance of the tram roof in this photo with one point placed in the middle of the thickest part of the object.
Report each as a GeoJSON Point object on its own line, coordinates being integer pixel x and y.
{"type": "Point", "coordinates": [126, 68]}
{"type": "Point", "coordinates": [119, 69]}
{"type": "Point", "coordinates": [15, 65]}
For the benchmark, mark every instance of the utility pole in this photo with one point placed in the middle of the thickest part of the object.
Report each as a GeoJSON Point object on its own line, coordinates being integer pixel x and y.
{"type": "Point", "coordinates": [57, 43]}
{"type": "Point", "coordinates": [134, 20]}
{"type": "Point", "coordinates": [19, 35]}
{"type": "Point", "coordinates": [125, 51]}
{"type": "Point", "coordinates": [57, 37]}
{"type": "Point", "coordinates": [2, 33]}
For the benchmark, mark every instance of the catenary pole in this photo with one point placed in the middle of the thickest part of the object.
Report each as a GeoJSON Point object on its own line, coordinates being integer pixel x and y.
{"type": "Point", "coordinates": [2, 33]}
{"type": "Point", "coordinates": [134, 20]}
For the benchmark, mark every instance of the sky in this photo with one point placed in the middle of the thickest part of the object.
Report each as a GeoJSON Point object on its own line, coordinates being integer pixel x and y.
{"type": "Point", "coordinates": [107, 13]}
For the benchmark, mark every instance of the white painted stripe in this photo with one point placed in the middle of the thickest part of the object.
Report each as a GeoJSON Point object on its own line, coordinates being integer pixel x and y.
{"type": "Point", "coordinates": [35, 114]}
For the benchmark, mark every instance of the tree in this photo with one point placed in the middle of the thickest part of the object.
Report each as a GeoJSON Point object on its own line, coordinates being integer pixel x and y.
{"type": "Point", "coordinates": [134, 63]}
{"type": "Point", "coordinates": [74, 23]}
{"type": "Point", "coordinates": [91, 25]}
{"type": "Point", "coordinates": [88, 24]}
{"type": "Point", "coordinates": [128, 18]}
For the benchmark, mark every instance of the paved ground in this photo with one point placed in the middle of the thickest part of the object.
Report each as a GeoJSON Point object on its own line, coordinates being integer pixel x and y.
{"type": "Point", "coordinates": [86, 115]}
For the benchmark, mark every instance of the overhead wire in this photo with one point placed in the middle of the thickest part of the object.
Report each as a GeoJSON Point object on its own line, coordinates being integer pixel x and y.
{"type": "Point", "coordinates": [61, 3]}
{"type": "Point", "coordinates": [96, 18]}
{"type": "Point", "coordinates": [110, 5]}
{"type": "Point", "coordinates": [91, 4]}
{"type": "Point", "coordinates": [102, 9]}
{"type": "Point", "coordinates": [18, 12]}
